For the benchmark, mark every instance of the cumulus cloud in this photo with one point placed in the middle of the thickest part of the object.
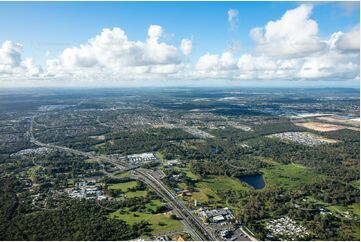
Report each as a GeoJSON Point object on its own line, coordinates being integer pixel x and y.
{"type": "Point", "coordinates": [233, 19]}
{"type": "Point", "coordinates": [212, 65]}
{"type": "Point", "coordinates": [207, 62]}
{"type": "Point", "coordinates": [10, 56]}
{"type": "Point", "coordinates": [112, 51]}
{"type": "Point", "coordinates": [294, 34]}
{"type": "Point", "coordinates": [349, 41]}
{"type": "Point", "coordinates": [332, 64]}
{"type": "Point", "coordinates": [154, 32]}
{"type": "Point", "coordinates": [12, 64]}
{"type": "Point", "coordinates": [289, 49]}
{"type": "Point", "coordinates": [210, 62]}
{"type": "Point", "coordinates": [186, 46]}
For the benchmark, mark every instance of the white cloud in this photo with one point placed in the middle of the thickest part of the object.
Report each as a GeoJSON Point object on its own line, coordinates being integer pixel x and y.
{"type": "Point", "coordinates": [290, 49]}
{"type": "Point", "coordinates": [112, 52]}
{"type": "Point", "coordinates": [334, 39]}
{"type": "Point", "coordinates": [154, 32]}
{"type": "Point", "coordinates": [228, 61]}
{"type": "Point", "coordinates": [295, 34]}
{"type": "Point", "coordinates": [266, 68]}
{"type": "Point", "coordinates": [10, 56]}
{"type": "Point", "coordinates": [30, 68]}
{"type": "Point", "coordinates": [186, 46]}
{"type": "Point", "coordinates": [349, 41]}
{"type": "Point", "coordinates": [326, 65]}
{"type": "Point", "coordinates": [13, 65]}
{"type": "Point", "coordinates": [283, 53]}
{"type": "Point", "coordinates": [285, 49]}
{"type": "Point", "coordinates": [207, 62]}
{"type": "Point", "coordinates": [332, 64]}
{"type": "Point", "coordinates": [210, 62]}
{"type": "Point", "coordinates": [233, 19]}
{"type": "Point", "coordinates": [216, 66]}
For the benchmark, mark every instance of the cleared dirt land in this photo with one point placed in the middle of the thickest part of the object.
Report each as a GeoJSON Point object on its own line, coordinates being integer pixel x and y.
{"type": "Point", "coordinates": [351, 122]}
{"type": "Point", "coordinates": [324, 127]}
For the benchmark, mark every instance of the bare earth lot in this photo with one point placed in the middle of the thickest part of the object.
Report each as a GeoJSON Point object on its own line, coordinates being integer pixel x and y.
{"type": "Point", "coordinates": [352, 122]}
{"type": "Point", "coordinates": [324, 127]}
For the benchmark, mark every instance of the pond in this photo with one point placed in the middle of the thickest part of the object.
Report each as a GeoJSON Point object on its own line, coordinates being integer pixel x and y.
{"type": "Point", "coordinates": [214, 149]}
{"type": "Point", "coordinates": [255, 181]}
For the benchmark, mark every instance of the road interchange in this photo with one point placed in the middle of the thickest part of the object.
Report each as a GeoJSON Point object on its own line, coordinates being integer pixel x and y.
{"type": "Point", "coordinates": [191, 221]}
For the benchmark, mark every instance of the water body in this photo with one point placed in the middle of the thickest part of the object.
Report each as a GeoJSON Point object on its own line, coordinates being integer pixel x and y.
{"type": "Point", "coordinates": [255, 181]}
{"type": "Point", "coordinates": [214, 149]}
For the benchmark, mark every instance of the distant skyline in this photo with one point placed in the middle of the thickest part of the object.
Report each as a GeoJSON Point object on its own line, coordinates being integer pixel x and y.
{"type": "Point", "coordinates": [131, 44]}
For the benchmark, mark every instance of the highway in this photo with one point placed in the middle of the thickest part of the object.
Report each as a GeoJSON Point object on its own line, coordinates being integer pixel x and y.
{"type": "Point", "coordinates": [191, 220]}
{"type": "Point", "coordinates": [193, 224]}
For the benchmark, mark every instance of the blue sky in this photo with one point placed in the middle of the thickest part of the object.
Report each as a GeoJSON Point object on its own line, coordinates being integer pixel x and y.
{"type": "Point", "coordinates": [45, 29]}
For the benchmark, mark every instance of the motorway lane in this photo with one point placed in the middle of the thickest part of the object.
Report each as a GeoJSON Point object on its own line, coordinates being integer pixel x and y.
{"type": "Point", "coordinates": [198, 235]}
{"type": "Point", "coordinates": [192, 222]}
{"type": "Point", "coordinates": [186, 214]}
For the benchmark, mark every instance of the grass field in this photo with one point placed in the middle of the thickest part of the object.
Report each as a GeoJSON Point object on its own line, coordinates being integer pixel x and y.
{"type": "Point", "coordinates": [136, 194]}
{"type": "Point", "coordinates": [208, 188]}
{"type": "Point", "coordinates": [100, 146]}
{"type": "Point", "coordinates": [290, 176]}
{"type": "Point", "coordinates": [160, 156]}
{"type": "Point", "coordinates": [122, 174]}
{"type": "Point", "coordinates": [222, 183]}
{"type": "Point", "coordinates": [90, 161]}
{"type": "Point", "coordinates": [124, 186]}
{"type": "Point", "coordinates": [341, 211]}
{"type": "Point", "coordinates": [188, 173]}
{"type": "Point", "coordinates": [71, 182]}
{"type": "Point", "coordinates": [337, 209]}
{"type": "Point", "coordinates": [154, 204]}
{"type": "Point", "coordinates": [356, 184]}
{"type": "Point", "coordinates": [204, 193]}
{"type": "Point", "coordinates": [160, 223]}
{"type": "Point", "coordinates": [355, 208]}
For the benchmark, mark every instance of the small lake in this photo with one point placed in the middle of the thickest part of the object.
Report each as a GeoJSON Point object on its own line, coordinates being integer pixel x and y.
{"type": "Point", "coordinates": [214, 149]}
{"type": "Point", "coordinates": [255, 181]}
